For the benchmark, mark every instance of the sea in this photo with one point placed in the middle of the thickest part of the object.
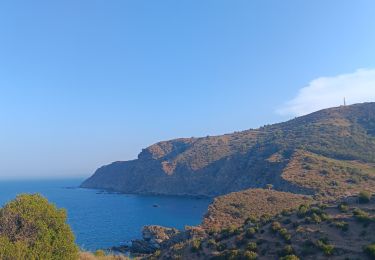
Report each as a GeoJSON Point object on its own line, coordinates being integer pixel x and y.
{"type": "Point", "coordinates": [100, 219]}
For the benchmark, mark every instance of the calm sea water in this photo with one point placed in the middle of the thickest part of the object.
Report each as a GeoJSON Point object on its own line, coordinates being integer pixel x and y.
{"type": "Point", "coordinates": [103, 220]}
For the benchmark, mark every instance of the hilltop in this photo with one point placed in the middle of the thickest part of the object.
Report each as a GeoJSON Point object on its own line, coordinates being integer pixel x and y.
{"type": "Point", "coordinates": [329, 154]}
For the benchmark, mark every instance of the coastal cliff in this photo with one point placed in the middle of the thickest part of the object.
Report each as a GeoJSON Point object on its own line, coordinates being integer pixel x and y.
{"type": "Point", "coordinates": [288, 156]}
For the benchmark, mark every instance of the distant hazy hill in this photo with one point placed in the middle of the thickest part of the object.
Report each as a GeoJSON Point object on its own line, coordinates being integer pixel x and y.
{"type": "Point", "coordinates": [329, 153]}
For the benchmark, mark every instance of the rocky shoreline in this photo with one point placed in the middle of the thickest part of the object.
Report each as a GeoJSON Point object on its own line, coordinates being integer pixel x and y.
{"type": "Point", "coordinates": [156, 237]}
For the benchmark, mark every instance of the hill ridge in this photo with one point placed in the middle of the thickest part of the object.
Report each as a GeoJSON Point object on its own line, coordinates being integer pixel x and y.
{"type": "Point", "coordinates": [216, 165]}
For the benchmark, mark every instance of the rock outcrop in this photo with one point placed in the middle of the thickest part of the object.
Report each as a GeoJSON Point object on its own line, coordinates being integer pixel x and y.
{"type": "Point", "coordinates": [157, 237]}
{"type": "Point", "coordinates": [152, 239]}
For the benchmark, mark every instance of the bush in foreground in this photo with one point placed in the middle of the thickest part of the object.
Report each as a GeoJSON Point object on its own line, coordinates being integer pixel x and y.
{"type": "Point", "coordinates": [32, 228]}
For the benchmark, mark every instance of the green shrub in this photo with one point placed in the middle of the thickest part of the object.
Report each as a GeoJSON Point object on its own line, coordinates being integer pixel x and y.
{"type": "Point", "coordinates": [275, 226]}
{"type": "Point", "coordinates": [325, 217]}
{"type": "Point", "coordinates": [285, 234]}
{"type": "Point", "coordinates": [322, 206]}
{"type": "Point", "coordinates": [362, 216]}
{"type": "Point", "coordinates": [359, 212]}
{"type": "Point", "coordinates": [325, 247]}
{"type": "Point", "coordinates": [265, 218]}
{"type": "Point", "coordinates": [251, 219]}
{"type": "Point", "coordinates": [288, 250]}
{"type": "Point", "coordinates": [343, 207]}
{"type": "Point", "coordinates": [232, 255]}
{"type": "Point", "coordinates": [302, 211]}
{"type": "Point", "coordinates": [157, 253]}
{"type": "Point", "coordinates": [13, 250]}
{"type": "Point", "coordinates": [196, 245]}
{"type": "Point", "coordinates": [250, 232]}
{"type": "Point", "coordinates": [370, 250]}
{"type": "Point", "coordinates": [316, 210]}
{"type": "Point", "coordinates": [315, 218]}
{"type": "Point", "coordinates": [252, 247]}
{"type": "Point", "coordinates": [32, 228]}
{"type": "Point", "coordinates": [250, 255]}
{"type": "Point", "coordinates": [344, 226]}
{"type": "Point", "coordinates": [229, 231]}
{"type": "Point", "coordinates": [364, 197]}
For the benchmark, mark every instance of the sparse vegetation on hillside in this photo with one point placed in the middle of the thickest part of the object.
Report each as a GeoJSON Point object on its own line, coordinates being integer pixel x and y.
{"type": "Point", "coordinates": [317, 231]}
{"type": "Point", "coordinates": [329, 178]}
{"type": "Point", "coordinates": [254, 204]}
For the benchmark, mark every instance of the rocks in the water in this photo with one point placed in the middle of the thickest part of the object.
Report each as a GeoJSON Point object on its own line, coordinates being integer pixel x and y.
{"type": "Point", "coordinates": [140, 246]}
{"type": "Point", "coordinates": [120, 249]}
{"type": "Point", "coordinates": [158, 237]}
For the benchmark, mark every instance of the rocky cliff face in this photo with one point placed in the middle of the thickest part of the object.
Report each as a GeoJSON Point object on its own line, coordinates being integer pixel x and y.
{"type": "Point", "coordinates": [212, 166]}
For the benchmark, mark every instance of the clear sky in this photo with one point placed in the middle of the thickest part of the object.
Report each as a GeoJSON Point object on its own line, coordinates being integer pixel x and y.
{"type": "Point", "coordinates": [86, 82]}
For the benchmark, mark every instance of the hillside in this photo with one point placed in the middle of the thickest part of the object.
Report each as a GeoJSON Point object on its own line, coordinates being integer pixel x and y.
{"type": "Point", "coordinates": [288, 155]}
{"type": "Point", "coordinates": [340, 230]}
{"type": "Point", "coordinates": [233, 209]}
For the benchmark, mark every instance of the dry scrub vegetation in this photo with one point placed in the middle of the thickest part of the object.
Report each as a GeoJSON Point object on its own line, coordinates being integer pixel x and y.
{"type": "Point", "coordinates": [100, 255]}
{"type": "Point", "coordinates": [329, 178]}
{"type": "Point", "coordinates": [342, 230]}
{"type": "Point", "coordinates": [233, 209]}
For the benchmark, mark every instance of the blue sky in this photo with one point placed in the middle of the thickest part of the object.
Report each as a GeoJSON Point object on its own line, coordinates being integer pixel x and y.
{"type": "Point", "coordinates": [85, 83]}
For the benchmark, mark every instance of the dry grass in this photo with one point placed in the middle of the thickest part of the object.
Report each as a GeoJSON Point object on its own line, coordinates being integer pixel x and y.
{"type": "Point", "coordinates": [91, 256]}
